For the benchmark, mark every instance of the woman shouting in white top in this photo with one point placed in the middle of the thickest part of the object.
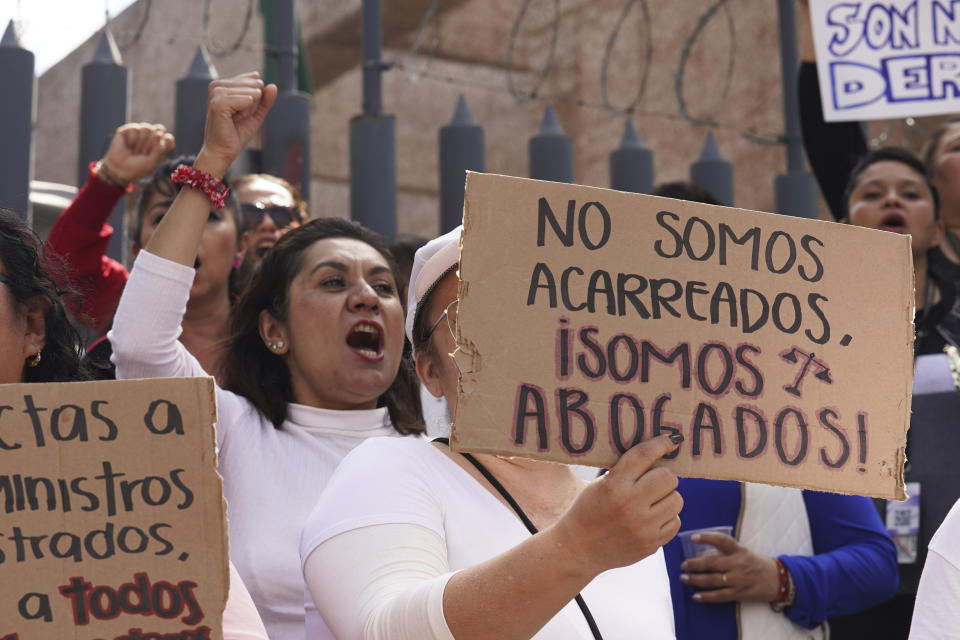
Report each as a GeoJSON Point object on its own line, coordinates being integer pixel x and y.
{"type": "Point", "coordinates": [312, 367]}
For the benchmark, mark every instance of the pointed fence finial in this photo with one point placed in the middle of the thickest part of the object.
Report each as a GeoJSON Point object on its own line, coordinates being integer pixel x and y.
{"type": "Point", "coordinates": [551, 150]}
{"type": "Point", "coordinates": [550, 124]}
{"type": "Point", "coordinates": [712, 172]}
{"type": "Point", "coordinates": [631, 139]}
{"type": "Point", "coordinates": [11, 37]}
{"type": "Point", "coordinates": [710, 152]}
{"type": "Point", "coordinates": [461, 114]}
{"type": "Point", "coordinates": [107, 50]}
{"type": "Point", "coordinates": [201, 67]}
{"type": "Point", "coordinates": [631, 164]}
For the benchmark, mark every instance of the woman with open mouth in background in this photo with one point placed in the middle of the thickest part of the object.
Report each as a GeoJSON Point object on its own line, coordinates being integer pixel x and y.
{"type": "Point", "coordinates": [82, 234]}
{"type": "Point", "coordinates": [269, 207]}
{"type": "Point", "coordinates": [312, 365]}
{"type": "Point", "coordinates": [889, 190]}
{"type": "Point", "coordinates": [847, 575]}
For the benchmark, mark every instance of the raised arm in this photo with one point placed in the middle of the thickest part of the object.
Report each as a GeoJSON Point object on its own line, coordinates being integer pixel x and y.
{"type": "Point", "coordinates": [81, 233]}
{"type": "Point", "coordinates": [236, 108]}
{"type": "Point", "coordinates": [147, 324]}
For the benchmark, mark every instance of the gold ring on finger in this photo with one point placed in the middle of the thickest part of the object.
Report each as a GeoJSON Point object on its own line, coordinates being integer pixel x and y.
{"type": "Point", "coordinates": [723, 577]}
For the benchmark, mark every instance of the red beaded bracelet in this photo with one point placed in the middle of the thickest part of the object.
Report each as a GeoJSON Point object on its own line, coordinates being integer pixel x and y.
{"type": "Point", "coordinates": [786, 589]}
{"type": "Point", "coordinates": [203, 182]}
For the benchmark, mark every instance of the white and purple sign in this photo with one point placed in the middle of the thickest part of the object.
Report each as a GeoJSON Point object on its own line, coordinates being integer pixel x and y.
{"type": "Point", "coordinates": [881, 59]}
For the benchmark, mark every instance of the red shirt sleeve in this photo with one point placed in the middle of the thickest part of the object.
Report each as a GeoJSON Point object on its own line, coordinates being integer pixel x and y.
{"type": "Point", "coordinates": [80, 236]}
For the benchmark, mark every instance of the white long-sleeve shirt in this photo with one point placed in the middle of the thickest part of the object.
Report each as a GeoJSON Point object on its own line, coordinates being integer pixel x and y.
{"type": "Point", "coordinates": [271, 477]}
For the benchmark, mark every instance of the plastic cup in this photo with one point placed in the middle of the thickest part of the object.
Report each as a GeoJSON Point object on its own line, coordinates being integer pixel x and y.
{"type": "Point", "coordinates": [693, 549]}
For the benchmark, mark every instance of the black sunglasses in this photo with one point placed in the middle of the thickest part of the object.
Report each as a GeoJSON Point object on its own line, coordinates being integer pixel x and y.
{"type": "Point", "coordinates": [283, 216]}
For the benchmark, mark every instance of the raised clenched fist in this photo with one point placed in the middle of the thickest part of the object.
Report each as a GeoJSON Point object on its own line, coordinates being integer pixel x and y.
{"type": "Point", "coordinates": [135, 151]}
{"type": "Point", "coordinates": [236, 108]}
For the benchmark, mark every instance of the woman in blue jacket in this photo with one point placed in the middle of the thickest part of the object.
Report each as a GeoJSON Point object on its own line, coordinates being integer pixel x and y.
{"type": "Point", "coordinates": [838, 560]}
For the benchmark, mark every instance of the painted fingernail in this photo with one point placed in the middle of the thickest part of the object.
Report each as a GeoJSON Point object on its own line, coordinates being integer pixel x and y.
{"type": "Point", "coordinates": [684, 577]}
{"type": "Point", "coordinates": [697, 596]}
{"type": "Point", "coordinates": [696, 537]}
{"type": "Point", "coordinates": [683, 565]}
{"type": "Point", "coordinates": [676, 438]}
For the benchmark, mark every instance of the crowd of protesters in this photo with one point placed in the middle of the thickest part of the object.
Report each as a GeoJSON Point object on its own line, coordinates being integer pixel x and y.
{"type": "Point", "coordinates": [330, 347]}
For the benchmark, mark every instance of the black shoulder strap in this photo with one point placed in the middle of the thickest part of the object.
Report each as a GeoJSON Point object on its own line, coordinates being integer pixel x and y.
{"type": "Point", "coordinates": [532, 528]}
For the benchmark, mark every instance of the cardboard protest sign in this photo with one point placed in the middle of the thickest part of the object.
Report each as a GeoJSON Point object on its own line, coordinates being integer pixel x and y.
{"type": "Point", "coordinates": [590, 320]}
{"type": "Point", "coordinates": [113, 524]}
{"type": "Point", "coordinates": [881, 59]}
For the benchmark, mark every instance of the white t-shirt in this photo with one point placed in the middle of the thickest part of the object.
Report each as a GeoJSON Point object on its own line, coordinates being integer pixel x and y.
{"type": "Point", "coordinates": [936, 614]}
{"type": "Point", "coordinates": [271, 477]}
{"type": "Point", "coordinates": [417, 484]}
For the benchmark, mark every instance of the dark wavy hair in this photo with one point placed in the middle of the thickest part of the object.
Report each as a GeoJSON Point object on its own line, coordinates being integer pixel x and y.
{"type": "Point", "coordinates": [889, 154]}
{"type": "Point", "coordinates": [29, 270]}
{"type": "Point", "coordinates": [254, 372]}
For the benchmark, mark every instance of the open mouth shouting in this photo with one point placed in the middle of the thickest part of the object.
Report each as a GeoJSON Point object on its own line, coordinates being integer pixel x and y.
{"type": "Point", "coordinates": [895, 222]}
{"type": "Point", "coordinates": [366, 340]}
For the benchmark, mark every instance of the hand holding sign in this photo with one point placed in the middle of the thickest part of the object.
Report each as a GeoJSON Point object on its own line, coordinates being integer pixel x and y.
{"type": "Point", "coordinates": [635, 503]}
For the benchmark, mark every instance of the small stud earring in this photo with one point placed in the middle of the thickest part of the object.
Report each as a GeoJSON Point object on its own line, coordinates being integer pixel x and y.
{"type": "Point", "coordinates": [34, 360]}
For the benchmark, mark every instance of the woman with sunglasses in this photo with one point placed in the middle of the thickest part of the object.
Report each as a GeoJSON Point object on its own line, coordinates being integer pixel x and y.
{"type": "Point", "coordinates": [269, 207]}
